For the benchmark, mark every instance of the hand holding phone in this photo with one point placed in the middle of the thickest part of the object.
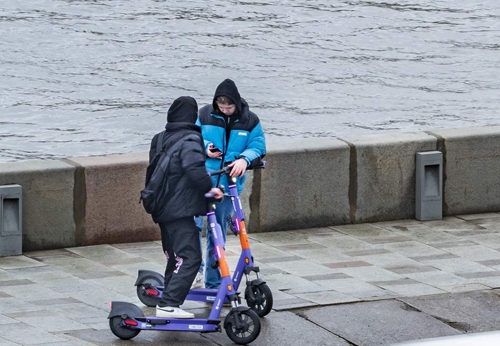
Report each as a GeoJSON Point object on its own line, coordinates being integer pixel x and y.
{"type": "Point", "coordinates": [214, 150]}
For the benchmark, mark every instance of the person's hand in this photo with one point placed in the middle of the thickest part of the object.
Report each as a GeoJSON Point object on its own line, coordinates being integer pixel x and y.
{"type": "Point", "coordinates": [238, 167]}
{"type": "Point", "coordinates": [215, 154]}
{"type": "Point", "coordinates": [218, 194]}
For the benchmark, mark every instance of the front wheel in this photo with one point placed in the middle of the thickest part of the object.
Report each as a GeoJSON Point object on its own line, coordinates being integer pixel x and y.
{"type": "Point", "coordinates": [147, 293]}
{"type": "Point", "coordinates": [120, 330]}
{"type": "Point", "coordinates": [259, 298]}
{"type": "Point", "coordinates": [242, 327]}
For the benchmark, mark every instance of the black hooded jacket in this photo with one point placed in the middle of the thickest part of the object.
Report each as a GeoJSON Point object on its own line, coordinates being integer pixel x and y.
{"type": "Point", "coordinates": [188, 178]}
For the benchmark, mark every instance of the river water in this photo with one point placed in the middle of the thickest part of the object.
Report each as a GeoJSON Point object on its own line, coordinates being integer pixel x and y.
{"type": "Point", "coordinates": [96, 77]}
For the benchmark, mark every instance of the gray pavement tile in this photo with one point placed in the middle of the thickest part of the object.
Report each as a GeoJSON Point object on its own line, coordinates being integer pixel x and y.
{"type": "Point", "coordinates": [412, 249]}
{"type": "Point", "coordinates": [25, 334]}
{"type": "Point", "coordinates": [414, 290]}
{"type": "Point", "coordinates": [101, 253]}
{"type": "Point", "coordinates": [403, 281]}
{"type": "Point", "coordinates": [386, 239]}
{"type": "Point", "coordinates": [133, 269]}
{"type": "Point", "coordinates": [79, 311]}
{"type": "Point", "coordinates": [6, 275]}
{"type": "Point", "coordinates": [302, 267]}
{"type": "Point", "coordinates": [286, 282]}
{"type": "Point", "coordinates": [475, 253]}
{"type": "Point", "coordinates": [491, 263]}
{"type": "Point", "coordinates": [300, 247]}
{"type": "Point", "coordinates": [450, 244]}
{"type": "Point", "coordinates": [13, 262]}
{"type": "Point", "coordinates": [412, 269]}
{"type": "Point", "coordinates": [279, 238]}
{"type": "Point", "coordinates": [377, 322]}
{"type": "Point", "coordinates": [328, 297]}
{"type": "Point", "coordinates": [492, 282]}
{"type": "Point", "coordinates": [464, 288]}
{"type": "Point", "coordinates": [474, 275]}
{"type": "Point", "coordinates": [371, 274]}
{"type": "Point", "coordinates": [459, 266]}
{"type": "Point", "coordinates": [72, 265]}
{"type": "Point", "coordinates": [99, 275]}
{"type": "Point", "coordinates": [491, 240]}
{"type": "Point", "coordinates": [6, 320]}
{"type": "Point", "coordinates": [349, 286]}
{"type": "Point", "coordinates": [4, 342]}
{"type": "Point", "coordinates": [15, 283]}
{"type": "Point", "coordinates": [281, 259]}
{"type": "Point", "coordinates": [332, 276]}
{"type": "Point", "coordinates": [388, 260]}
{"type": "Point", "coordinates": [348, 264]}
{"type": "Point", "coordinates": [15, 305]}
{"type": "Point", "coordinates": [123, 284]}
{"type": "Point", "coordinates": [471, 312]}
{"type": "Point", "coordinates": [346, 243]}
{"type": "Point", "coordinates": [426, 258]}
{"type": "Point", "coordinates": [56, 301]}
{"type": "Point", "coordinates": [366, 252]}
{"type": "Point", "coordinates": [323, 257]}
{"type": "Point", "coordinates": [362, 230]}
{"type": "Point", "coordinates": [478, 216]}
{"type": "Point", "coordinates": [293, 303]}
{"type": "Point", "coordinates": [4, 295]}
{"type": "Point", "coordinates": [471, 233]}
{"type": "Point", "coordinates": [32, 291]}
{"type": "Point", "coordinates": [125, 261]}
{"type": "Point", "coordinates": [424, 233]}
{"type": "Point", "coordinates": [64, 284]}
{"type": "Point", "coordinates": [438, 278]}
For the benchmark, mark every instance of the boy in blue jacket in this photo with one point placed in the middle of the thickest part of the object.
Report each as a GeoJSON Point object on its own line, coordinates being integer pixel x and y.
{"type": "Point", "coordinates": [233, 136]}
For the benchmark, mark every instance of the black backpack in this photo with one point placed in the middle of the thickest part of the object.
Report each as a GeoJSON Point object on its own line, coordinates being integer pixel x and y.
{"type": "Point", "coordinates": [153, 196]}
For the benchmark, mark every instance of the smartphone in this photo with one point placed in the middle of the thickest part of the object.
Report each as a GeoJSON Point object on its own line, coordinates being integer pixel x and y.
{"type": "Point", "coordinates": [214, 150]}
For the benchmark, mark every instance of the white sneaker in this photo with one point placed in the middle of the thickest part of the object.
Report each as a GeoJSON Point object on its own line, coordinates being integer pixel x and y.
{"type": "Point", "coordinates": [172, 312]}
{"type": "Point", "coordinates": [198, 281]}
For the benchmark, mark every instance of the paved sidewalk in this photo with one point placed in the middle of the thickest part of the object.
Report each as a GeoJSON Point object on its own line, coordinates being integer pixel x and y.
{"type": "Point", "coordinates": [61, 297]}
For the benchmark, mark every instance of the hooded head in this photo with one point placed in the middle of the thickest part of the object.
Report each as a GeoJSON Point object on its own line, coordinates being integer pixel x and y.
{"type": "Point", "coordinates": [183, 110]}
{"type": "Point", "coordinates": [228, 89]}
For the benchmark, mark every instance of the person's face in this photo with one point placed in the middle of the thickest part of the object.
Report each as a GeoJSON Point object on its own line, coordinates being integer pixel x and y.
{"type": "Point", "coordinates": [227, 109]}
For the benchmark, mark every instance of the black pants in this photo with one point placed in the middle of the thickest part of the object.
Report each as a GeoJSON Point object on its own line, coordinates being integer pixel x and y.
{"type": "Point", "coordinates": [181, 242]}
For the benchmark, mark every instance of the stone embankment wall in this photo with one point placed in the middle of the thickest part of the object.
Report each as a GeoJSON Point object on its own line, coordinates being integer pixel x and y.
{"type": "Point", "coordinates": [306, 183]}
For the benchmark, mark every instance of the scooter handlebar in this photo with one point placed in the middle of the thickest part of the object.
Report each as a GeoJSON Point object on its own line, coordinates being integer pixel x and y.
{"type": "Point", "coordinates": [225, 170]}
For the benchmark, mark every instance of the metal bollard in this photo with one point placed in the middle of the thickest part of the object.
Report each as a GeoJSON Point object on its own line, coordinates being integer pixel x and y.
{"type": "Point", "coordinates": [429, 186]}
{"type": "Point", "coordinates": [11, 223]}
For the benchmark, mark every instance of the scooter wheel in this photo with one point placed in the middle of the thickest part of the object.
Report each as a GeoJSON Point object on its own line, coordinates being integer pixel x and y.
{"type": "Point", "coordinates": [261, 301]}
{"type": "Point", "coordinates": [149, 296]}
{"type": "Point", "coordinates": [248, 329]}
{"type": "Point", "coordinates": [117, 327]}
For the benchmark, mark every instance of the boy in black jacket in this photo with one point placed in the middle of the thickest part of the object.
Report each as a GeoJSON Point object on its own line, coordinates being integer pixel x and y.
{"type": "Point", "coordinates": [188, 182]}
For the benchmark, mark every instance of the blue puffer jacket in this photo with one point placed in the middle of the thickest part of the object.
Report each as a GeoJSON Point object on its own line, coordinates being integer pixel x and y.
{"type": "Point", "coordinates": [246, 137]}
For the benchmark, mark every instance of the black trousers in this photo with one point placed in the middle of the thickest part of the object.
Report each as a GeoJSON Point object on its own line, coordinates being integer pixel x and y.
{"type": "Point", "coordinates": [181, 243]}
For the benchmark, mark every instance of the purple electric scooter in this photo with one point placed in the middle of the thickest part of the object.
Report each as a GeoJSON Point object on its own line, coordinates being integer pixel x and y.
{"type": "Point", "coordinates": [258, 295]}
{"type": "Point", "coordinates": [242, 324]}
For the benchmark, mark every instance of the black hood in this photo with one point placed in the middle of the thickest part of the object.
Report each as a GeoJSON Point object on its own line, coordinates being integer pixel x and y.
{"type": "Point", "coordinates": [228, 88]}
{"type": "Point", "coordinates": [183, 110]}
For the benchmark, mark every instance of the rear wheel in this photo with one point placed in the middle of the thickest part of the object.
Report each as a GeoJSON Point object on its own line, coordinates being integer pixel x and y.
{"type": "Point", "coordinates": [260, 299]}
{"type": "Point", "coordinates": [245, 330]}
{"type": "Point", "coordinates": [118, 326]}
{"type": "Point", "coordinates": [147, 292]}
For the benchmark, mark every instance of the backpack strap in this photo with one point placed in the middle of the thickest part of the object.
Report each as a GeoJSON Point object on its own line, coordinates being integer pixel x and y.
{"type": "Point", "coordinates": [159, 142]}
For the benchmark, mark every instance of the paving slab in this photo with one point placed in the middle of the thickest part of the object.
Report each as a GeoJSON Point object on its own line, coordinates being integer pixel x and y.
{"type": "Point", "coordinates": [377, 323]}
{"type": "Point", "coordinates": [470, 312]}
